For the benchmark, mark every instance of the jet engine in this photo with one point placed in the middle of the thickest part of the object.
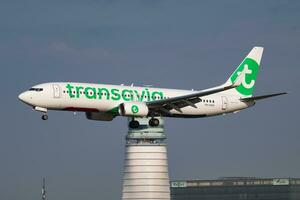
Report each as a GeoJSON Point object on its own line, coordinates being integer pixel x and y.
{"type": "Point", "coordinates": [133, 109]}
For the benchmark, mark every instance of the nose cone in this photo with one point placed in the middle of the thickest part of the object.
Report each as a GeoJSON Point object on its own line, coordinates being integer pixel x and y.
{"type": "Point", "coordinates": [24, 97]}
{"type": "Point", "coordinates": [21, 96]}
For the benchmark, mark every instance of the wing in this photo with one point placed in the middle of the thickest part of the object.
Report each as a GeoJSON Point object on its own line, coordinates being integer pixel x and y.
{"type": "Point", "coordinates": [176, 103]}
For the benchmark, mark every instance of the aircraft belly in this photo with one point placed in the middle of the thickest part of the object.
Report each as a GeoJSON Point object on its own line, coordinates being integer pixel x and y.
{"type": "Point", "coordinates": [88, 105]}
{"type": "Point", "coordinates": [202, 110]}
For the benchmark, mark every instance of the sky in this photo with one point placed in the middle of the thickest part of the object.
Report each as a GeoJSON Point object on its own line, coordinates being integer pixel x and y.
{"type": "Point", "coordinates": [172, 44]}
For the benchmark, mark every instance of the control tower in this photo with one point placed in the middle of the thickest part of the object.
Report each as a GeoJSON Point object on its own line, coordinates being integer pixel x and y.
{"type": "Point", "coordinates": [146, 165]}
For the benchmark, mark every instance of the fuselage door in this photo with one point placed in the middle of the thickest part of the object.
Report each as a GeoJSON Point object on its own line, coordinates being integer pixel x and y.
{"type": "Point", "coordinates": [56, 91]}
{"type": "Point", "coordinates": [224, 103]}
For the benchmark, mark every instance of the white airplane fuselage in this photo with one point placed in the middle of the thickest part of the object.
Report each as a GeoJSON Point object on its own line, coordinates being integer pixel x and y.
{"type": "Point", "coordinates": [105, 98]}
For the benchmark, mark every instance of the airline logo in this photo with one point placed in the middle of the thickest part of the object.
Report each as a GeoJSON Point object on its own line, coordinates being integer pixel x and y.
{"type": "Point", "coordinates": [115, 94]}
{"type": "Point", "coordinates": [135, 109]}
{"type": "Point", "coordinates": [251, 68]}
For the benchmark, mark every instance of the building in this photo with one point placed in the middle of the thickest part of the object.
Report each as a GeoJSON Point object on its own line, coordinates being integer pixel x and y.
{"type": "Point", "coordinates": [237, 188]}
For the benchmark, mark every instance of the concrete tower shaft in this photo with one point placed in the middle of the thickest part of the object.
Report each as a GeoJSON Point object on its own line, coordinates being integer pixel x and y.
{"type": "Point", "coordinates": [146, 166]}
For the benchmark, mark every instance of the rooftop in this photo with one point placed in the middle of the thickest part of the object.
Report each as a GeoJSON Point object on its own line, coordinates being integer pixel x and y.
{"type": "Point", "coordinates": [235, 181]}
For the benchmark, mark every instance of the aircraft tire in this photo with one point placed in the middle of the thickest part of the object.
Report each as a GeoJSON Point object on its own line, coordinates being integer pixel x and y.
{"type": "Point", "coordinates": [44, 117]}
{"type": "Point", "coordinates": [153, 122]}
{"type": "Point", "coordinates": [134, 124]}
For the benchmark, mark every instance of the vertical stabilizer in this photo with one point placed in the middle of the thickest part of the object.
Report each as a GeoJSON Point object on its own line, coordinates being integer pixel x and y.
{"type": "Point", "coordinates": [250, 65]}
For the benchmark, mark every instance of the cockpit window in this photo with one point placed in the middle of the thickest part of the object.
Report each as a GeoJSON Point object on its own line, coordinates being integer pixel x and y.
{"type": "Point", "coordinates": [36, 89]}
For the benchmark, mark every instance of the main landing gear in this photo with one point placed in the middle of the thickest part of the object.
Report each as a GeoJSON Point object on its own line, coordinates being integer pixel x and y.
{"type": "Point", "coordinates": [153, 122]}
{"type": "Point", "coordinates": [44, 117]}
{"type": "Point", "coordinates": [134, 124]}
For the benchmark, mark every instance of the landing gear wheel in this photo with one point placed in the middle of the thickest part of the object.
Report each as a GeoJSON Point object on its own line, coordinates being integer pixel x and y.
{"type": "Point", "coordinates": [44, 117]}
{"type": "Point", "coordinates": [134, 124]}
{"type": "Point", "coordinates": [153, 122]}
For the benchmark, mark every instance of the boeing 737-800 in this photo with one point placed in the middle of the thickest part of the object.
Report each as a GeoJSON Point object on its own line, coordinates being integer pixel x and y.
{"type": "Point", "coordinates": [104, 102]}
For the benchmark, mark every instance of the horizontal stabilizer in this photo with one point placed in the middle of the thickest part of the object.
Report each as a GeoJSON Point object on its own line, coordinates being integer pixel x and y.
{"type": "Point", "coordinates": [261, 97]}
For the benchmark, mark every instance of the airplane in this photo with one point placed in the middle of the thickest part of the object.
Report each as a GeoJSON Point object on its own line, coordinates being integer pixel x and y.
{"type": "Point", "coordinates": [104, 102]}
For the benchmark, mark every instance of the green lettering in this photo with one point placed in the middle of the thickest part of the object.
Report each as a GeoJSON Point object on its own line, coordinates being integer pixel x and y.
{"type": "Point", "coordinates": [125, 96]}
{"type": "Point", "coordinates": [148, 94]}
{"type": "Point", "coordinates": [116, 96]}
{"type": "Point", "coordinates": [78, 88]}
{"type": "Point", "coordinates": [88, 95]}
{"type": "Point", "coordinates": [69, 87]}
{"type": "Point", "coordinates": [139, 97]}
{"type": "Point", "coordinates": [100, 90]}
{"type": "Point", "coordinates": [160, 94]}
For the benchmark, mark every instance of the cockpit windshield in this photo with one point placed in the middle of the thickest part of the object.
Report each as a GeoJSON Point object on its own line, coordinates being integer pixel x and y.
{"type": "Point", "coordinates": [36, 89]}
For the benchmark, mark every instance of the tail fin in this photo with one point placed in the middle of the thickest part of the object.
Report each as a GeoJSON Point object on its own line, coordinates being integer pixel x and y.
{"type": "Point", "coordinates": [251, 66]}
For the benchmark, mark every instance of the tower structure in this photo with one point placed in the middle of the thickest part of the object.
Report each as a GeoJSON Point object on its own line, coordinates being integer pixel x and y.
{"type": "Point", "coordinates": [146, 165]}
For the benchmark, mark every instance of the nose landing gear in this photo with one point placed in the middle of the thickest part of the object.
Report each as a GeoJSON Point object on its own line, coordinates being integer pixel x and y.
{"type": "Point", "coordinates": [42, 110]}
{"type": "Point", "coordinates": [44, 117]}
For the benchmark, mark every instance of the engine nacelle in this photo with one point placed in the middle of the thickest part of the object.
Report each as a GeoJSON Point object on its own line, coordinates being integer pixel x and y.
{"type": "Point", "coordinates": [137, 109]}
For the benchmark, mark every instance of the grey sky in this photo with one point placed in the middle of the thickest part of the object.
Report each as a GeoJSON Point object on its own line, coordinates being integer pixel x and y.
{"type": "Point", "coordinates": [177, 44]}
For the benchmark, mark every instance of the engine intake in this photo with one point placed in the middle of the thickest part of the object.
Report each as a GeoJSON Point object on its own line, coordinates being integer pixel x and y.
{"type": "Point", "coordinates": [133, 109]}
